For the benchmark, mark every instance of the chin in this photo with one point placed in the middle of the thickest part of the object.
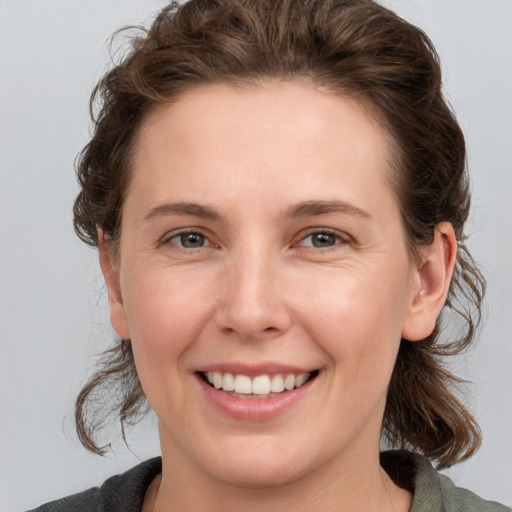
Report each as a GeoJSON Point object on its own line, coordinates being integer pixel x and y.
{"type": "Point", "coordinates": [259, 477]}
{"type": "Point", "coordinates": [259, 468]}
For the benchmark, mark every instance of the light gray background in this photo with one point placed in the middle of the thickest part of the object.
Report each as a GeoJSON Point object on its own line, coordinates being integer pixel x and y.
{"type": "Point", "coordinates": [53, 308]}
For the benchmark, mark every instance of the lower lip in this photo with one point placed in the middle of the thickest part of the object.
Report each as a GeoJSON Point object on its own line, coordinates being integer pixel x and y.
{"type": "Point", "coordinates": [254, 409]}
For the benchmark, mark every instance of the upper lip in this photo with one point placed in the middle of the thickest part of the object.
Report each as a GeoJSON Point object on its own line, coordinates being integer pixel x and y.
{"type": "Point", "coordinates": [253, 370]}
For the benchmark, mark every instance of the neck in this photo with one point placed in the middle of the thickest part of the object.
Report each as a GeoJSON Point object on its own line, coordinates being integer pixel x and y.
{"type": "Point", "coordinates": [356, 486]}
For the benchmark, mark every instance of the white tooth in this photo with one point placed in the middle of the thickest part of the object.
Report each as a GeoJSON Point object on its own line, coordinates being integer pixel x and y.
{"type": "Point", "coordinates": [243, 384]}
{"type": "Point", "coordinates": [289, 382]}
{"type": "Point", "coordinates": [261, 385]}
{"type": "Point", "coordinates": [217, 380]}
{"type": "Point", "coordinates": [301, 379]}
{"type": "Point", "coordinates": [209, 376]}
{"type": "Point", "coordinates": [277, 384]}
{"type": "Point", "coordinates": [228, 382]}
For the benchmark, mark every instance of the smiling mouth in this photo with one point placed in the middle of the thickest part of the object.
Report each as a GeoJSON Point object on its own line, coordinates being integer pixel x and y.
{"type": "Point", "coordinates": [261, 386]}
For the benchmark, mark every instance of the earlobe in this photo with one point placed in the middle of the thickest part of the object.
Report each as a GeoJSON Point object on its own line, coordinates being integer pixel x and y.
{"type": "Point", "coordinates": [434, 273]}
{"type": "Point", "coordinates": [118, 318]}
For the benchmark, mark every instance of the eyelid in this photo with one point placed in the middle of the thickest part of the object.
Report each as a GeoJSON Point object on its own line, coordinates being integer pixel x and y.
{"type": "Point", "coordinates": [340, 235]}
{"type": "Point", "coordinates": [343, 238]}
{"type": "Point", "coordinates": [184, 231]}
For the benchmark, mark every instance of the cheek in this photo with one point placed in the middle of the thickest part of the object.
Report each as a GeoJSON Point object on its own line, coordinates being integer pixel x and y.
{"type": "Point", "coordinates": [166, 313]}
{"type": "Point", "coordinates": [357, 320]}
{"type": "Point", "coordinates": [158, 298]}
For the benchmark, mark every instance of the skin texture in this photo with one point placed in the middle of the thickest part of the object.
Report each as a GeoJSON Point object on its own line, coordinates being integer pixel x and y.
{"type": "Point", "coordinates": [256, 290]}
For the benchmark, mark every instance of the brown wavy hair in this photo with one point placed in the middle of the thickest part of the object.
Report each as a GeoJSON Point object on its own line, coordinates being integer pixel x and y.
{"type": "Point", "coordinates": [352, 47]}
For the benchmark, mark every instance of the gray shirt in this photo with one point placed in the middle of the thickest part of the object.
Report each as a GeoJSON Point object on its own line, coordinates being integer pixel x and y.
{"type": "Point", "coordinates": [432, 492]}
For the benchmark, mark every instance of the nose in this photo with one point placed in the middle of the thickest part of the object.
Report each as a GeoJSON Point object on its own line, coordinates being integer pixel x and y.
{"type": "Point", "coordinates": [252, 302]}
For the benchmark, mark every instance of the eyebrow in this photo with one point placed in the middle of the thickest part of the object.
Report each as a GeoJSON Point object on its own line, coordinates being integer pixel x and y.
{"type": "Point", "coordinates": [195, 209]}
{"type": "Point", "coordinates": [312, 208]}
{"type": "Point", "coordinates": [302, 209]}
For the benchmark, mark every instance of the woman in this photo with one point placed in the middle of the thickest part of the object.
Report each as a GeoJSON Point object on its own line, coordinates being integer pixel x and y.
{"type": "Point", "coordinates": [278, 194]}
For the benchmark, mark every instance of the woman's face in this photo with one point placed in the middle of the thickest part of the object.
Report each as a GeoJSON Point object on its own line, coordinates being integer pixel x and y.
{"type": "Point", "coordinates": [262, 244]}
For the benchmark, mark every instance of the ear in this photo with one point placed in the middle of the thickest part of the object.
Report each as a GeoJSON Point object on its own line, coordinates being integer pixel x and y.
{"type": "Point", "coordinates": [110, 271]}
{"type": "Point", "coordinates": [435, 273]}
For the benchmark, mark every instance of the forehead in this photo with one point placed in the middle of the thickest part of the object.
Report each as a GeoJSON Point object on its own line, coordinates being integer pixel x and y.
{"type": "Point", "coordinates": [217, 141]}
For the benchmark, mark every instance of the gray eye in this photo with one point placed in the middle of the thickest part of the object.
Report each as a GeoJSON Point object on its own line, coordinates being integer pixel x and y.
{"type": "Point", "coordinates": [191, 240]}
{"type": "Point", "coordinates": [323, 239]}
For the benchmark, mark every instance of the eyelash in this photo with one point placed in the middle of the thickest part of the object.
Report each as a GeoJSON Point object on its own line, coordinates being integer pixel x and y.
{"type": "Point", "coordinates": [183, 233]}
{"type": "Point", "coordinates": [338, 239]}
